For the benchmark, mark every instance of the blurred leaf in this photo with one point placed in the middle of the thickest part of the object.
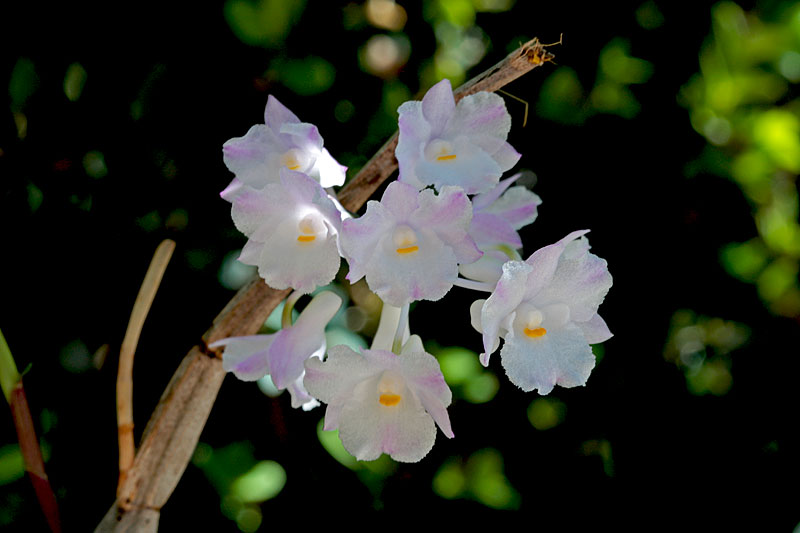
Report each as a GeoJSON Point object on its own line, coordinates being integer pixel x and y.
{"type": "Point", "coordinates": [263, 481]}
{"type": "Point", "coordinates": [94, 163]}
{"type": "Point", "coordinates": [493, 6]}
{"type": "Point", "coordinates": [35, 197]}
{"type": "Point", "coordinates": [262, 22]}
{"type": "Point", "coordinates": [223, 465]}
{"type": "Point", "coordinates": [546, 413]}
{"type": "Point", "coordinates": [333, 445]}
{"type": "Point", "coordinates": [614, 99]}
{"type": "Point", "coordinates": [450, 482]}
{"type": "Point", "coordinates": [777, 278]}
{"type": "Point", "coordinates": [601, 448]}
{"type": "Point", "coordinates": [561, 97]}
{"type": "Point", "coordinates": [777, 132]}
{"type": "Point", "coordinates": [481, 479]}
{"type": "Point", "coordinates": [617, 64]}
{"type": "Point", "coordinates": [713, 377]}
{"type": "Point", "coordinates": [74, 80]}
{"type": "Point", "coordinates": [12, 466]}
{"type": "Point", "coordinates": [649, 16]}
{"type": "Point", "coordinates": [458, 12]}
{"type": "Point", "coordinates": [458, 364]}
{"type": "Point", "coordinates": [22, 84]}
{"type": "Point", "coordinates": [481, 388]}
{"type": "Point", "coordinates": [306, 77]}
{"type": "Point", "coordinates": [745, 260]}
{"type": "Point", "coordinates": [488, 482]}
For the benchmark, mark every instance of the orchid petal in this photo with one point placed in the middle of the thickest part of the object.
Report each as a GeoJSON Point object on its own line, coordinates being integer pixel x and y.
{"type": "Point", "coordinates": [292, 346]}
{"type": "Point", "coordinates": [506, 297]}
{"type": "Point", "coordinates": [560, 357]}
{"type": "Point", "coordinates": [276, 114]}
{"type": "Point", "coordinates": [438, 105]}
{"type": "Point", "coordinates": [247, 357]}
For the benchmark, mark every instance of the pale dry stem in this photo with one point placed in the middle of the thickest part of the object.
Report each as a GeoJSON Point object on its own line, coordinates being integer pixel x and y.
{"type": "Point", "coordinates": [141, 307]}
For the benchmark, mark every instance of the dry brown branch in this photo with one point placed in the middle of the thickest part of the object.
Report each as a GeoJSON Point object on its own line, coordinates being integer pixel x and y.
{"type": "Point", "coordinates": [147, 292]}
{"type": "Point", "coordinates": [175, 425]}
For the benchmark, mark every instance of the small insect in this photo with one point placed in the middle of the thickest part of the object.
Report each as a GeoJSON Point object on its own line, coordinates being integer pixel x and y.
{"type": "Point", "coordinates": [536, 52]}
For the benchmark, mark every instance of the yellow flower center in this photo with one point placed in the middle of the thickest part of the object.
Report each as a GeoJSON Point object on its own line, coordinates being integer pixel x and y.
{"type": "Point", "coordinates": [405, 240]}
{"type": "Point", "coordinates": [390, 400]}
{"type": "Point", "coordinates": [389, 387]}
{"type": "Point", "coordinates": [308, 227]}
{"type": "Point", "coordinates": [535, 333]}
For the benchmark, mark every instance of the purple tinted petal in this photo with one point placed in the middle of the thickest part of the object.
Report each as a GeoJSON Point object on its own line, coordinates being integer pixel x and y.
{"type": "Point", "coordinates": [303, 135]}
{"type": "Point", "coordinates": [482, 113]}
{"type": "Point", "coordinates": [293, 345]}
{"type": "Point", "coordinates": [490, 230]}
{"type": "Point", "coordinates": [518, 206]}
{"type": "Point", "coordinates": [595, 330]}
{"type": "Point", "coordinates": [438, 105]}
{"type": "Point", "coordinates": [484, 200]}
{"type": "Point", "coordinates": [506, 156]}
{"type": "Point", "coordinates": [545, 260]}
{"type": "Point", "coordinates": [246, 356]}
{"type": "Point", "coordinates": [400, 199]}
{"type": "Point", "coordinates": [276, 114]}
{"type": "Point", "coordinates": [504, 300]}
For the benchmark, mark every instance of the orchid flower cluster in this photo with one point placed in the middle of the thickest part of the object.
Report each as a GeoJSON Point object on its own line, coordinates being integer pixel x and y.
{"type": "Point", "coordinates": [449, 219]}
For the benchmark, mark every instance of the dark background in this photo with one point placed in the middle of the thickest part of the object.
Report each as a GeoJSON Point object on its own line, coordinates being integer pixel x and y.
{"type": "Point", "coordinates": [166, 85]}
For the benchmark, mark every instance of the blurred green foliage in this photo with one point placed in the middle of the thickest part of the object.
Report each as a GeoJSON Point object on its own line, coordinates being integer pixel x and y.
{"type": "Point", "coordinates": [480, 478]}
{"type": "Point", "coordinates": [546, 413]}
{"type": "Point", "coordinates": [743, 102]}
{"type": "Point", "coordinates": [702, 348]}
{"type": "Point", "coordinates": [563, 98]}
{"type": "Point", "coordinates": [263, 22]}
{"type": "Point", "coordinates": [241, 481]}
{"type": "Point", "coordinates": [465, 375]}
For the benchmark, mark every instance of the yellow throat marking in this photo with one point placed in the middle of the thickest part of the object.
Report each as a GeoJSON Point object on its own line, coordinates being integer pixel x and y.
{"type": "Point", "coordinates": [390, 400]}
{"type": "Point", "coordinates": [535, 333]}
{"type": "Point", "coordinates": [446, 157]}
{"type": "Point", "coordinates": [306, 238]}
{"type": "Point", "coordinates": [408, 250]}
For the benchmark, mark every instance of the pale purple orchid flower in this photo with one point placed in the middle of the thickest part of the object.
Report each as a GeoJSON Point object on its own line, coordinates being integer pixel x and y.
{"type": "Point", "coordinates": [442, 143]}
{"type": "Point", "coordinates": [545, 308]}
{"type": "Point", "coordinates": [293, 228]}
{"type": "Point", "coordinates": [497, 215]}
{"type": "Point", "coordinates": [382, 402]}
{"type": "Point", "coordinates": [410, 243]}
{"type": "Point", "coordinates": [282, 354]}
{"type": "Point", "coordinates": [282, 142]}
